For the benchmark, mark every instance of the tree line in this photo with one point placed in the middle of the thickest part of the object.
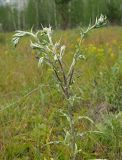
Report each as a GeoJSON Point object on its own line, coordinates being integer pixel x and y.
{"type": "Point", "coordinates": [59, 13]}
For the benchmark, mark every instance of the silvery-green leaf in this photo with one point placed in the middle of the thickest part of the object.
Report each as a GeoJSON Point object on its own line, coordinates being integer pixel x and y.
{"type": "Point", "coordinates": [55, 57]}
{"type": "Point", "coordinates": [47, 30]}
{"type": "Point", "coordinates": [81, 56]}
{"type": "Point", "coordinates": [41, 60]}
{"type": "Point", "coordinates": [62, 50]}
{"type": "Point", "coordinates": [57, 44]}
{"type": "Point", "coordinates": [48, 49]}
{"type": "Point", "coordinates": [35, 46]}
{"type": "Point", "coordinates": [15, 41]}
{"type": "Point", "coordinates": [67, 137]}
{"type": "Point", "coordinates": [80, 134]}
{"type": "Point", "coordinates": [76, 148]}
{"type": "Point", "coordinates": [20, 34]}
{"type": "Point", "coordinates": [17, 36]}
{"type": "Point", "coordinates": [73, 99]}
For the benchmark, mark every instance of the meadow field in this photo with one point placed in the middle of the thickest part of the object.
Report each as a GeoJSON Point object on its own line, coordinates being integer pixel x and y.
{"type": "Point", "coordinates": [29, 99]}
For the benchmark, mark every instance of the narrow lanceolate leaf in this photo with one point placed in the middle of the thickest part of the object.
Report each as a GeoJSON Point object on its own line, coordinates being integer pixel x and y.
{"type": "Point", "coordinates": [55, 57]}
{"type": "Point", "coordinates": [17, 36]}
{"type": "Point", "coordinates": [52, 142]}
{"type": "Point", "coordinates": [20, 34]}
{"type": "Point", "coordinates": [67, 137]}
{"type": "Point", "coordinates": [65, 115]}
{"type": "Point", "coordinates": [89, 132]}
{"type": "Point", "coordinates": [41, 60]}
{"type": "Point", "coordinates": [62, 50]}
{"type": "Point", "coordinates": [15, 41]}
{"type": "Point", "coordinates": [86, 118]}
{"type": "Point", "coordinates": [35, 46]}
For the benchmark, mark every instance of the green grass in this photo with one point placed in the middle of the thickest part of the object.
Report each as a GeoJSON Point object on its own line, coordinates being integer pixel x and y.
{"type": "Point", "coordinates": [29, 100]}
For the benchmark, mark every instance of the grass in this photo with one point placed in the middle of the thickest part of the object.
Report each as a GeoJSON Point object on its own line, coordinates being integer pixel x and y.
{"type": "Point", "coordinates": [29, 99]}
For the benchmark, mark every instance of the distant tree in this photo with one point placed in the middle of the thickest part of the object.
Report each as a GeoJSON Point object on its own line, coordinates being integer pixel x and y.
{"type": "Point", "coordinates": [13, 13]}
{"type": "Point", "coordinates": [59, 13]}
{"type": "Point", "coordinates": [62, 7]}
{"type": "Point", "coordinates": [114, 11]}
{"type": "Point", "coordinates": [5, 18]}
{"type": "Point", "coordinates": [40, 12]}
{"type": "Point", "coordinates": [3, 21]}
{"type": "Point", "coordinates": [76, 14]}
{"type": "Point", "coordinates": [31, 14]}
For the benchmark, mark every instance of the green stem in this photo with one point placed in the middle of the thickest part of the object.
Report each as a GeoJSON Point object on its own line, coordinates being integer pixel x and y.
{"type": "Point", "coordinates": [72, 128]}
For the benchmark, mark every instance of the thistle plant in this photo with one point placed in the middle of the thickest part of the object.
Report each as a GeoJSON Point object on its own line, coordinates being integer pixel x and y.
{"type": "Point", "coordinates": [52, 54]}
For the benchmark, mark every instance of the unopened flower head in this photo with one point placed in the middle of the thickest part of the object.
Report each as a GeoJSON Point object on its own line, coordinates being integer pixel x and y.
{"type": "Point", "coordinates": [101, 21]}
{"type": "Point", "coordinates": [47, 30]}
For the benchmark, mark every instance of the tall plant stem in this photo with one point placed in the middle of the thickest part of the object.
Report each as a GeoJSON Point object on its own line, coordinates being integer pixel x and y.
{"type": "Point", "coordinates": [70, 110]}
{"type": "Point", "coordinates": [72, 130]}
{"type": "Point", "coordinates": [72, 127]}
